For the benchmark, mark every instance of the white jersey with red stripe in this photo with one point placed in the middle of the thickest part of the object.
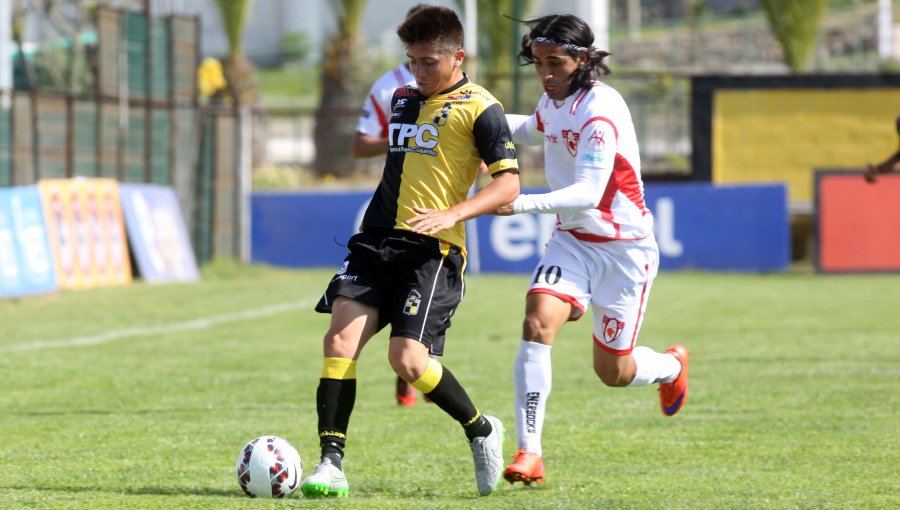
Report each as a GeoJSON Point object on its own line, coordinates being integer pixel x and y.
{"type": "Point", "coordinates": [592, 165]}
{"type": "Point", "coordinates": [375, 115]}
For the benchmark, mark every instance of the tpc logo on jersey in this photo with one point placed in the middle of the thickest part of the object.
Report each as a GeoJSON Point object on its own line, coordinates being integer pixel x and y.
{"type": "Point", "coordinates": [413, 300]}
{"type": "Point", "coordinates": [571, 139]}
{"type": "Point", "coordinates": [424, 137]}
{"type": "Point", "coordinates": [612, 328]}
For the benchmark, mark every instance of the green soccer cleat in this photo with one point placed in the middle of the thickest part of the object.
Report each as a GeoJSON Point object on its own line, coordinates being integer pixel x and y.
{"type": "Point", "coordinates": [327, 480]}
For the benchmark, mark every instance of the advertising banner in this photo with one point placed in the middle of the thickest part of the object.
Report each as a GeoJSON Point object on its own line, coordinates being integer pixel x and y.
{"type": "Point", "coordinates": [857, 224]}
{"type": "Point", "coordinates": [86, 232]}
{"type": "Point", "coordinates": [697, 226]}
{"type": "Point", "coordinates": [156, 229]}
{"type": "Point", "coordinates": [26, 263]}
{"type": "Point", "coordinates": [304, 229]}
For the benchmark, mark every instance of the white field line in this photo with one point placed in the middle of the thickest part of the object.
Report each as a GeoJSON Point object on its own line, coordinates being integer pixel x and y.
{"type": "Point", "coordinates": [195, 324]}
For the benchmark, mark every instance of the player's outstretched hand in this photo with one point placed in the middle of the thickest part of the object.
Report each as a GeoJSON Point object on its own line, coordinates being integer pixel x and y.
{"type": "Point", "coordinates": [871, 173]}
{"type": "Point", "coordinates": [432, 221]}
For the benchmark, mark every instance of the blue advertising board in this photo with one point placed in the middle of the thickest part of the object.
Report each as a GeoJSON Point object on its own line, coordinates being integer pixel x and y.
{"type": "Point", "coordinates": [698, 226]}
{"type": "Point", "coordinates": [26, 263]}
{"type": "Point", "coordinates": [741, 227]}
{"type": "Point", "coordinates": [157, 233]}
{"type": "Point", "coordinates": [304, 229]}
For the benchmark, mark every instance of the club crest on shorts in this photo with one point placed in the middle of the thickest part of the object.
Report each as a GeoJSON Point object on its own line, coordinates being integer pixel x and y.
{"type": "Point", "coordinates": [612, 328]}
{"type": "Point", "coordinates": [343, 268]}
{"type": "Point", "coordinates": [413, 300]}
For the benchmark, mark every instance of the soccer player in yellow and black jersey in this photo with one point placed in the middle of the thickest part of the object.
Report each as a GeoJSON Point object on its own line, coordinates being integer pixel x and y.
{"type": "Point", "coordinates": [405, 267]}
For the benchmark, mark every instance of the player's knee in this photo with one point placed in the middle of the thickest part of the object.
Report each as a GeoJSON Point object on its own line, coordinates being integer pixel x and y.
{"type": "Point", "coordinates": [534, 327]}
{"type": "Point", "coordinates": [338, 344]}
{"type": "Point", "coordinates": [404, 365]}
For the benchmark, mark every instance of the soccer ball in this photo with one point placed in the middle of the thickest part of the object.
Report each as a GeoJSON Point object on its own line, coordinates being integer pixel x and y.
{"type": "Point", "coordinates": [268, 467]}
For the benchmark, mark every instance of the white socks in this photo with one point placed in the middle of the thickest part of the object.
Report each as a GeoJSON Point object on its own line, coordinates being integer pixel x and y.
{"type": "Point", "coordinates": [653, 367]}
{"type": "Point", "coordinates": [532, 374]}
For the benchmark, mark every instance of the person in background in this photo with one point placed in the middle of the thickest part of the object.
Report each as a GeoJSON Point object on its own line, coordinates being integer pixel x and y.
{"type": "Point", "coordinates": [891, 164]}
{"type": "Point", "coordinates": [406, 265]}
{"type": "Point", "coordinates": [603, 254]}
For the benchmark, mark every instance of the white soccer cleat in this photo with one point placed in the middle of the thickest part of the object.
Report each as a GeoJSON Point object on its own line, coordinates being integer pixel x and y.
{"type": "Point", "coordinates": [328, 480]}
{"type": "Point", "coordinates": [488, 455]}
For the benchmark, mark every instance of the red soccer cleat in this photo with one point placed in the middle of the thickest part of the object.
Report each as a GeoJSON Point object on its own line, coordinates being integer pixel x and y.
{"type": "Point", "coordinates": [406, 394]}
{"type": "Point", "coordinates": [672, 395]}
{"type": "Point", "coordinates": [528, 467]}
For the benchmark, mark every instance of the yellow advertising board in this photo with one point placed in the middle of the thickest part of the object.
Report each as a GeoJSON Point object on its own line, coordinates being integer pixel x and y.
{"type": "Point", "coordinates": [782, 128]}
{"type": "Point", "coordinates": [785, 134]}
{"type": "Point", "coordinates": [86, 232]}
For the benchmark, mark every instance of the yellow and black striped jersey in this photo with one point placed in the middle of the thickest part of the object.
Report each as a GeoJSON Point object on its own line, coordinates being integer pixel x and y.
{"type": "Point", "coordinates": [436, 145]}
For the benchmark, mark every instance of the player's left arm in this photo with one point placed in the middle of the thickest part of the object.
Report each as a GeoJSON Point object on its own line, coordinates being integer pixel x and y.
{"type": "Point", "coordinates": [594, 159]}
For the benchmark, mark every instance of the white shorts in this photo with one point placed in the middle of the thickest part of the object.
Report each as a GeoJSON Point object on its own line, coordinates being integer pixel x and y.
{"type": "Point", "coordinates": [614, 277]}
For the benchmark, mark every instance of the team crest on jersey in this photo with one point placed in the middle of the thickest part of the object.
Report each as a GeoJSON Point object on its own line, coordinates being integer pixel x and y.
{"type": "Point", "coordinates": [443, 115]}
{"type": "Point", "coordinates": [612, 328]}
{"type": "Point", "coordinates": [571, 139]}
{"type": "Point", "coordinates": [413, 300]}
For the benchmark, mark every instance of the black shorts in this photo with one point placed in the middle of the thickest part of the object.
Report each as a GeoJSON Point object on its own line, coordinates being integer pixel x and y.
{"type": "Point", "coordinates": [415, 282]}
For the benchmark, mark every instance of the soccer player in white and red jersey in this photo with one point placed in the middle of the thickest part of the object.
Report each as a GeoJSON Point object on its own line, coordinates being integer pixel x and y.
{"type": "Point", "coordinates": [603, 254]}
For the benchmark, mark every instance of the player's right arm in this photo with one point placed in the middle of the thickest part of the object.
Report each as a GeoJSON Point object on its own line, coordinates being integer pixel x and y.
{"type": "Point", "coordinates": [525, 129]}
{"type": "Point", "coordinates": [892, 164]}
{"type": "Point", "coordinates": [365, 146]}
{"type": "Point", "coordinates": [371, 138]}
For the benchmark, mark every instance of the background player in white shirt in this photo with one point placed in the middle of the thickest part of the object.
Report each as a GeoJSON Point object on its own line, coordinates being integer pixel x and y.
{"type": "Point", "coordinates": [371, 138]}
{"type": "Point", "coordinates": [603, 253]}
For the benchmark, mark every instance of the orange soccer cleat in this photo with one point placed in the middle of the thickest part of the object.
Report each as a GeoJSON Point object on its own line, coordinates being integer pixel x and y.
{"type": "Point", "coordinates": [406, 394]}
{"type": "Point", "coordinates": [672, 395]}
{"type": "Point", "coordinates": [528, 467]}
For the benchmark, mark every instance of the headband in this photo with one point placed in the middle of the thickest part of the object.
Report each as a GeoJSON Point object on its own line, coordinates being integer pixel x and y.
{"type": "Point", "coordinates": [570, 46]}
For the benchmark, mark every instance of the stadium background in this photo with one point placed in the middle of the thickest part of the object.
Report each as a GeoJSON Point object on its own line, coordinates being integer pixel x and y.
{"type": "Point", "coordinates": [712, 100]}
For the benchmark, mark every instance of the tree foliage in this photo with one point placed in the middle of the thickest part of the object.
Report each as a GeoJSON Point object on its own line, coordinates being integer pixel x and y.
{"type": "Point", "coordinates": [234, 18]}
{"type": "Point", "coordinates": [498, 39]}
{"type": "Point", "coordinates": [334, 129]}
{"type": "Point", "coordinates": [795, 23]}
{"type": "Point", "coordinates": [239, 72]}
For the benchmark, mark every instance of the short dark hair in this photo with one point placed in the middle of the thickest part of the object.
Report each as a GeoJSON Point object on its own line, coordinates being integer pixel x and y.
{"type": "Point", "coordinates": [575, 36]}
{"type": "Point", "coordinates": [432, 24]}
{"type": "Point", "coordinates": [414, 9]}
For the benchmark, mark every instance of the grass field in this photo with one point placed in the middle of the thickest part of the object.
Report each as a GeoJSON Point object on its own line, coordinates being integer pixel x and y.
{"type": "Point", "coordinates": [141, 397]}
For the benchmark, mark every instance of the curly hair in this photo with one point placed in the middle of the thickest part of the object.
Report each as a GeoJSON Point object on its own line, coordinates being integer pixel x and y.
{"type": "Point", "coordinates": [572, 33]}
{"type": "Point", "coordinates": [431, 24]}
